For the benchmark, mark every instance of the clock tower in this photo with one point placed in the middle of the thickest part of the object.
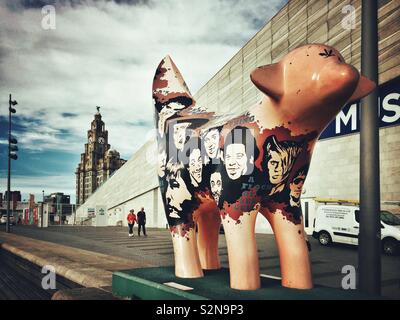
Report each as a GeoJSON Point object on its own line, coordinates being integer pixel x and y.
{"type": "Point", "coordinates": [97, 139]}
{"type": "Point", "coordinates": [98, 161]}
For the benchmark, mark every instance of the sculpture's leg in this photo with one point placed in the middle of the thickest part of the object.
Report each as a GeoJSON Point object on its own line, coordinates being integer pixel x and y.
{"type": "Point", "coordinates": [242, 251]}
{"type": "Point", "coordinates": [293, 251]}
{"type": "Point", "coordinates": [209, 222]}
{"type": "Point", "coordinates": [187, 262]}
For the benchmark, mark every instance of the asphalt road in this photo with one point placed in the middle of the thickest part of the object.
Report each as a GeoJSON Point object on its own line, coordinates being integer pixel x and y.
{"type": "Point", "coordinates": [327, 262]}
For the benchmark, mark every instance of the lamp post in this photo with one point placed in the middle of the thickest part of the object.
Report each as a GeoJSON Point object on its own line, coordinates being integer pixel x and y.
{"type": "Point", "coordinates": [12, 146]}
{"type": "Point", "coordinates": [369, 251]}
{"type": "Point", "coordinates": [41, 213]}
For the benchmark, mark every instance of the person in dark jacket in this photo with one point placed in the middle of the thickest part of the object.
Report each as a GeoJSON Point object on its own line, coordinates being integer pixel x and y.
{"type": "Point", "coordinates": [141, 219]}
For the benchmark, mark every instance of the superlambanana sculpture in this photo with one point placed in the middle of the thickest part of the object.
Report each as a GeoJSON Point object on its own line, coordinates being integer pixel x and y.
{"type": "Point", "coordinates": [230, 168]}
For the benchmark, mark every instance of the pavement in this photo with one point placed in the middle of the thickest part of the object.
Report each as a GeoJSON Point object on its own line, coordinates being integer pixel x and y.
{"type": "Point", "coordinates": [22, 280]}
{"type": "Point", "coordinates": [90, 269]}
{"type": "Point", "coordinates": [92, 253]}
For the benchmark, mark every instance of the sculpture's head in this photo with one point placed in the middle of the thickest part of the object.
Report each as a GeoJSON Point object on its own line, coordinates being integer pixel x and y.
{"type": "Point", "coordinates": [310, 77]}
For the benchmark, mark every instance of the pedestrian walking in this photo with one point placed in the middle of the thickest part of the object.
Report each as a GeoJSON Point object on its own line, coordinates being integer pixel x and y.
{"type": "Point", "coordinates": [131, 221]}
{"type": "Point", "coordinates": [141, 216]}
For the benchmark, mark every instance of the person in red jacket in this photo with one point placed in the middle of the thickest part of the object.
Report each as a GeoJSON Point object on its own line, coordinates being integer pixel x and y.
{"type": "Point", "coordinates": [131, 221]}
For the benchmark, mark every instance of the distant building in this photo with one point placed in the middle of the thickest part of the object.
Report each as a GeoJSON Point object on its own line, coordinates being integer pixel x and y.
{"type": "Point", "coordinates": [14, 195]}
{"type": "Point", "coordinates": [98, 162]}
{"type": "Point", "coordinates": [57, 197]}
{"type": "Point", "coordinates": [16, 210]}
{"type": "Point", "coordinates": [16, 205]}
{"type": "Point", "coordinates": [58, 205]}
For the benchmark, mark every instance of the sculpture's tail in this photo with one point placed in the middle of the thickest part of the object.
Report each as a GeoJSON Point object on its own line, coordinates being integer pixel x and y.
{"type": "Point", "coordinates": [170, 92]}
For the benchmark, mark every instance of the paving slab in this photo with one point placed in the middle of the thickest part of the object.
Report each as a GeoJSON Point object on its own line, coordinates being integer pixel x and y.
{"type": "Point", "coordinates": [156, 249]}
{"type": "Point", "coordinates": [87, 268]}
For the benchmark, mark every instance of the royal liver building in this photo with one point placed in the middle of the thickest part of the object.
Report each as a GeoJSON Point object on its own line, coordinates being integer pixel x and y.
{"type": "Point", "coordinates": [98, 162]}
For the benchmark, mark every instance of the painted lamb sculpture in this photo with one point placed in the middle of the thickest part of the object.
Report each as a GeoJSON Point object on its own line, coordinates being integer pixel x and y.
{"type": "Point", "coordinates": [229, 168]}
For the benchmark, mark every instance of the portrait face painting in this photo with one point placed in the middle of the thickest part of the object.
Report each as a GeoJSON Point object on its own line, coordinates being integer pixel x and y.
{"type": "Point", "coordinates": [279, 159]}
{"type": "Point", "coordinates": [174, 105]}
{"type": "Point", "coordinates": [216, 185]}
{"type": "Point", "coordinates": [168, 109]}
{"type": "Point", "coordinates": [179, 134]}
{"type": "Point", "coordinates": [235, 160]}
{"type": "Point", "coordinates": [177, 191]}
{"type": "Point", "coordinates": [240, 150]}
{"type": "Point", "coordinates": [295, 187]}
{"type": "Point", "coordinates": [162, 161]}
{"type": "Point", "coordinates": [211, 143]}
{"type": "Point", "coordinates": [195, 167]}
{"type": "Point", "coordinates": [275, 168]}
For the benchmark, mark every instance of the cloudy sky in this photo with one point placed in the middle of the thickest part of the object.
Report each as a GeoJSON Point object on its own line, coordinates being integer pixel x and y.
{"type": "Point", "coordinates": [103, 53]}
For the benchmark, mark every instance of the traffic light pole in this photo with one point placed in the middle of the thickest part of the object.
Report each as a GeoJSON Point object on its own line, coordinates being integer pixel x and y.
{"type": "Point", "coordinates": [9, 167]}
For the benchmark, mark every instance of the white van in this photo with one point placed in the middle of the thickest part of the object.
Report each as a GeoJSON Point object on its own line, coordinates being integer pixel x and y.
{"type": "Point", "coordinates": [339, 223]}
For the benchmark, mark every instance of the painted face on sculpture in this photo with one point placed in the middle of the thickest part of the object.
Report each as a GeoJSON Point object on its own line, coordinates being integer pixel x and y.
{"type": "Point", "coordinates": [195, 167]}
{"type": "Point", "coordinates": [235, 160]}
{"type": "Point", "coordinates": [177, 193]}
{"type": "Point", "coordinates": [211, 143]}
{"type": "Point", "coordinates": [216, 185]}
{"type": "Point", "coordinates": [175, 106]}
{"type": "Point", "coordinates": [179, 135]}
{"type": "Point", "coordinates": [162, 160]}
{"type": "Point", "coordinates": [275, 168]}
{"type": "Point", "coordinates": [279, 159]}
{"type": "Point", "coordinates": [296, 185]}
{"type": "Point", "coordinates": [303, 92]}
{"type": "Point", "coordinates": [163, 116]}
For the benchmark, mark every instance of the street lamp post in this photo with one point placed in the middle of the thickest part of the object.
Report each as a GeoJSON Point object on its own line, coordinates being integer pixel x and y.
{"type": "Point", "coordinates": [11, 147]}
{"type": "Point", "coordinates": [41, 214]}
{"type": "Point", "coordinates": [369, 252]}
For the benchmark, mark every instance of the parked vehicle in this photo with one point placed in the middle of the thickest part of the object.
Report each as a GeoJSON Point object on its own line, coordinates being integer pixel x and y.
{"type": "Point", "coordinates": [3, 219]}
{"type": "Point", "coordinates": [339, 223]}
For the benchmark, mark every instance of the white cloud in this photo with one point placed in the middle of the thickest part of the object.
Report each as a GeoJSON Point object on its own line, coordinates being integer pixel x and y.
{"type": "Point", "coordinates": [103, 53]}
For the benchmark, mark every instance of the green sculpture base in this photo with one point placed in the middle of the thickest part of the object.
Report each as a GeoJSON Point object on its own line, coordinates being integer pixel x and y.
{"type": "Point", "coordinates": [150, 284]}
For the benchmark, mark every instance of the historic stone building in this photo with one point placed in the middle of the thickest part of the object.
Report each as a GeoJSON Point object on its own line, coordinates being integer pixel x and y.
{"type": "Point", "coordinates": [98, 162]}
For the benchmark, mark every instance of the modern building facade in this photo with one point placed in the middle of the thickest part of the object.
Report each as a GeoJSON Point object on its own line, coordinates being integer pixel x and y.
{"type": "Point", "coordinates": [58, 207]}
{"type": "Point", "coordinates": [14, 196]}
{"type": "Point", "coordinates": [98, 162]}
{"type": "Point", "coordinates": [334, 171]}
{"type": "Point", "coordinates": [16, 205]}
{"type": "Point", "coordinates": [57, 197]}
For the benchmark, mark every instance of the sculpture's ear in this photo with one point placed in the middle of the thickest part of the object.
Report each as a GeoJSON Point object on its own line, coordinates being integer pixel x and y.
{"type": "Point", "coordinates": [269, 79]}
{"type": "Point", "coordinates": [364, 88]}
{"type": "Point", "coordinates": [170, 87]}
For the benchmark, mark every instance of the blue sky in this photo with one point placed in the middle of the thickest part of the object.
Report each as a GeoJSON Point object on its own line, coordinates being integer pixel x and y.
{"type": "Point", "coordinates": [103, 53]}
